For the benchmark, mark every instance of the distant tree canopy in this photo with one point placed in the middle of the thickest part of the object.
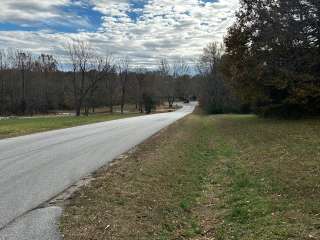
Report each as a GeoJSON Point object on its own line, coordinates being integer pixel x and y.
{"type": "Point", "coordinates": [272, 57]}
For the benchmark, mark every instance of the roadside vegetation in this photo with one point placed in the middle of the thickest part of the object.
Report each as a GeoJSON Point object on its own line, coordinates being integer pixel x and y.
{"type": "Point", "coordinates": [208, 177]}
{"type": "Point", "coordinates": [22, 126]}
{"type": "Point", "coordinates": [17, 126]}
{"type": "Point", "coordinates": [269, 63]}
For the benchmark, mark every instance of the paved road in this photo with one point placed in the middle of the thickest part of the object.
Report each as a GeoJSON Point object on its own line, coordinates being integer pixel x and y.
{"type": "Point", "coordinates": [37, 167]}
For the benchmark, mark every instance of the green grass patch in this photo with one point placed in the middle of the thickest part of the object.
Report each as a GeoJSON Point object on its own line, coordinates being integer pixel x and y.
{"type": "Point", "coordinates": [208, 177]}
{"type": "Point", "coordinates": [272, 181]}
{"type": "Point", "coordinates": [22, 126]}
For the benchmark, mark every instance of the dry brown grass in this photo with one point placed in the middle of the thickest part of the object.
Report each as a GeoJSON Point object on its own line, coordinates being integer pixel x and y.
{"type": "Point", "coordinates": [223, 177]}
{"type": "Point", "coordinates": [146, 196]}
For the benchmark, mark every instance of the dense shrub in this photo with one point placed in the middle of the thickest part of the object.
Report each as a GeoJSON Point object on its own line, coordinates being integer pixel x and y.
{"type": "Point", "coordinates": [216, 95]}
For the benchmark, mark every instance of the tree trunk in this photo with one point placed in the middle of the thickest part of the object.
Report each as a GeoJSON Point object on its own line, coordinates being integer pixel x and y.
{"type": "Point", "coordinates": [122, 107]}
{"type": "Point", "coordinates": [2, 98]}
{"type": "Point", "coordinates": [122, 100]}
{"type": "Point", "coordinates": [170, 101]}
{"type": "Point", "coordinates": [78, 112]}
{"type": "Point", "coordinates": [86, 110]}
{"type": "Point", "coordinates": [78, 109]}
{"type": "Point", "coordinates": [140, 106]}
{"type": "Point", "coordinates": [23, 100]}
{"type": "Point", "coordinates": [111, 101]}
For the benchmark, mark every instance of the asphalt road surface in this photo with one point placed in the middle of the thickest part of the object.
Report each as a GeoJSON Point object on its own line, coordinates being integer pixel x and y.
{"type": "Point", "coordinates": [37, 167]}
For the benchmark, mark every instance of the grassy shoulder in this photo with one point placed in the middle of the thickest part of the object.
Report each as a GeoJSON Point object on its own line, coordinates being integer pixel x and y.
{"type": "Point", "coordinates": [22, 126]}
{"type": "Point", "coordinates": [221, 177]}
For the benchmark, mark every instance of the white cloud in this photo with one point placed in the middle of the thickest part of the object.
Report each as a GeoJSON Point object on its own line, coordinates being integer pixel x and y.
{"type": "Point", "coordinates": [165, 28]}
{"type": "Point", "coordinates": [30, 10]}
{"type": "Point", "coordinates": [110, 6]}
{"type": "Point", "coordinates": [40, 12]}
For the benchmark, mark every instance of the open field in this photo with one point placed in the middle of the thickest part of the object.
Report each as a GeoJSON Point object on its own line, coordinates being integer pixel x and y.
{"type": "Point", "coordinates": [21, 126]}
{"type": "Point", "coordinates": [208, 177]}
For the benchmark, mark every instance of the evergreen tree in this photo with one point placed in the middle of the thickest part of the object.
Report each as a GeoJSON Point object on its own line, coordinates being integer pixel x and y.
{"type": "Point", "coordinates": [272, 56]}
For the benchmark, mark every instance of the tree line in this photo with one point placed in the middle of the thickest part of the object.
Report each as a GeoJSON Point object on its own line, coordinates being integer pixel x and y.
{"type": "Point", "coordinates": [270, 61]}
{"type": "Point", "coordinates": [269, 64]}
{"type": "Point", "coordinates": [40, 84]}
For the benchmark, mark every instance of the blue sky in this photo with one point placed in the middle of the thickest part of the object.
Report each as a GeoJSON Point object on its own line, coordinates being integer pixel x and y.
{"type": "Point", "coordinates": [143, 30]}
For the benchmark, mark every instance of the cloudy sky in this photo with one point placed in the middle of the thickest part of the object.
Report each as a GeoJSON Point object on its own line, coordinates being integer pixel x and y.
{"type": "Point", "coordinates": [143, 30]}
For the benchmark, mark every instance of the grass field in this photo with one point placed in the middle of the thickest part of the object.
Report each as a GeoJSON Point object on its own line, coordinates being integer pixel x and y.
{"type": "Point", "coordinates": [22, 126]}
{"type": "Point", "coordinates": [208, 177]}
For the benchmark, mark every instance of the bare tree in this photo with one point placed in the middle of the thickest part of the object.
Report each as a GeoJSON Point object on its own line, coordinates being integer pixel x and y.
{"type": "Point", "coordinates": [167, 80]}
{"type": "Point", "coordinates": [3, 66]}
{"type": "Point", "coordinates": [110, 77]}
{"type": "Point", "coordinates": [123, 71]}
{"type": "Point", "coordinates": [104, 67]}
{"type": "Point", "coordinates": [83, 62]}
{"type": "Point", "coordinates": [216, 94]}
{"type": "Point", "coordinates": [23, 62]}
{"type": "Point", "coordinates": [181, 77]}
{"type": "Point", "coordinates": [111, 86]}
{"type": "Point", "coordinates": [140, 74]}
{"type": "Point", "coordinates": [210, 58]}
{"type": "Point", "coordinates": [36, 84]}
{"type": "Point", "coordinates": [47, 65]}
{"type": "Point", "coordinates": [80, 55]}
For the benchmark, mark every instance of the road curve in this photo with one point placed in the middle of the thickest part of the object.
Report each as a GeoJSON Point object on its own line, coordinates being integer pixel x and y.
{"type": "Point", "coordinates": [37, 167]}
